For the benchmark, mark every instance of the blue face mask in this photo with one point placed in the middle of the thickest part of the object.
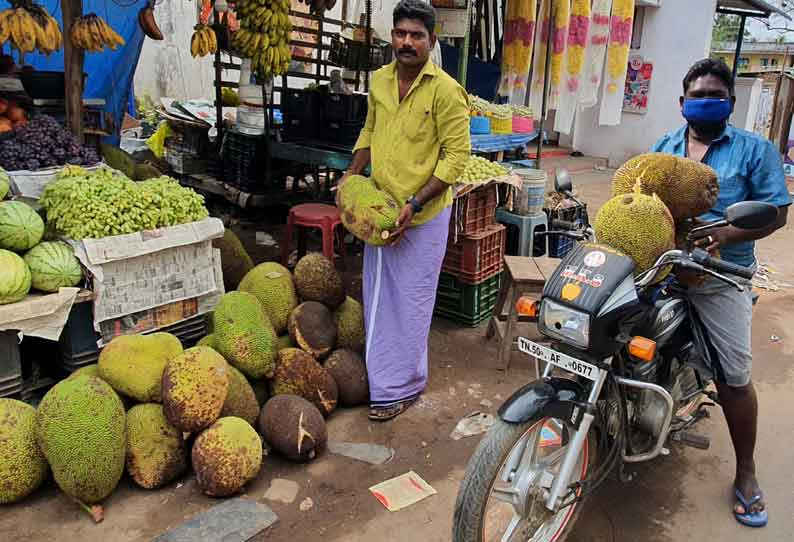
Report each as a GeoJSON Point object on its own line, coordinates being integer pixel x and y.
{"type": "Point", "coordinates": [707, 110]}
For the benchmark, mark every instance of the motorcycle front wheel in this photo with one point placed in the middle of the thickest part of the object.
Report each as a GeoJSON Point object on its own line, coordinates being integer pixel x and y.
{"type": "Point", "coordinates": [501, 497]}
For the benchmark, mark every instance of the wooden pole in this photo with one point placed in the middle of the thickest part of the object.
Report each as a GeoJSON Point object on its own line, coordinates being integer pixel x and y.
{"type": "Point", "coordinates": [73, 69]}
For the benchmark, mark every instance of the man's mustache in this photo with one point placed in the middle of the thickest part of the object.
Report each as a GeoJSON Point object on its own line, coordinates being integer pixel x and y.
{"type": "Point", "coordinates": [406, 51]}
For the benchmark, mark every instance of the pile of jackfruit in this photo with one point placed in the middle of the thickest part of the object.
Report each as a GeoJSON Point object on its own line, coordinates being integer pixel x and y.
{"type": "Point", "coordinates": [284, 351]}
{"type": "Point", "coordinates": [656, 196]}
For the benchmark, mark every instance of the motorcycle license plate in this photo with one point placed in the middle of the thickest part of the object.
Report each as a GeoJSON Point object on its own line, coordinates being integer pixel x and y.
{"type": "Point", "coordinates": [558, 359]}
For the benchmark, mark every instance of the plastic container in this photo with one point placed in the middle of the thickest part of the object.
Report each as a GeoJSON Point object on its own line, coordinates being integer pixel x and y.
{"type": "Point", "coordinates": [342, 133]}
{"type": "Point", "coordinates": [523, 125]}
{"type": "Point", "coordinates": [468, 304]}
{"type": "Point", "coordinates": [251, 111]}
{"type": "Point", "coordinates": [477, 257]}
{"type": "Point", "coordinates": [561, 245]}
{"type": "Point", "coordinates": [501, 126]}
{"type": "Point", "coordinates": [474, 212]}
{"type": "Point", "coordinates": [344, 107]}
{"type": "Point", "coordinates": [531, 197]}
{"type": "Point", "coordinates": [480, 125]}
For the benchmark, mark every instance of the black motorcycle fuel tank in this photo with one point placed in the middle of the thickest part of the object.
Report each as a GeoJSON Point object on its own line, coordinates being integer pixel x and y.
{"type": "Point", "coordinates": [589, 279]}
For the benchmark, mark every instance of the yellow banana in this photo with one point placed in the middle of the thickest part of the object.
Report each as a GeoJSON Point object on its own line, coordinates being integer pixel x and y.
{"type": "Point", "coordinates": [213, 40]}
{"type": "Point", "coordinates": [5, 27]}
{"type": "Point", "coordinates": [194, 44]}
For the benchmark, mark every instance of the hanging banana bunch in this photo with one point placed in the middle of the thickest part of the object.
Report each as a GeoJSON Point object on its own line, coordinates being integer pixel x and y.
{"type": "Point", "coordinates": [91, 33]}
{"type": "Point", "coordinates": [204, 41]}
{"type": "Point", "coordinates": [264, 35]}
{"type": "Point", "coordinates": [30, 27]}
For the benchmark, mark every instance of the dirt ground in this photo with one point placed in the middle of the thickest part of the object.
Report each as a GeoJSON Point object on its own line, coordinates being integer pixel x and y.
{"type": "Point", "coordinates": [684, 496]}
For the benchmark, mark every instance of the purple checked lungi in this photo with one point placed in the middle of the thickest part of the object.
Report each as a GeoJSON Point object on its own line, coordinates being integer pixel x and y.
{"type": "Point", "coordinates": [400, 283]}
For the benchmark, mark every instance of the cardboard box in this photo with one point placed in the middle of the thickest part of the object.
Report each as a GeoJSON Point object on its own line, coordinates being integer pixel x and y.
{"type": "Point", "coordinates": [137, 273]}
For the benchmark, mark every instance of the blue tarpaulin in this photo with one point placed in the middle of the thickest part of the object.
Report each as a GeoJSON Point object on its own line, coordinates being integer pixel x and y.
{"type": "Point", "coordinates": [110, 73]}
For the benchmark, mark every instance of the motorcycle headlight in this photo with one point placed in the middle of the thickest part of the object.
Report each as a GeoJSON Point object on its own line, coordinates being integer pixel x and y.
{"type": "Point", "coordinates": [568, 325]}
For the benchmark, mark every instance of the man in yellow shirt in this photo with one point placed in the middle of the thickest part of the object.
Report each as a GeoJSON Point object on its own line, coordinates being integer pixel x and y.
{"type": "Point", "coordinates": [416, 139]}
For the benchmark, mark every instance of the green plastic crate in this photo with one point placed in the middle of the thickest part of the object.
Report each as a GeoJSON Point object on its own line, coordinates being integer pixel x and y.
{"type": "Point", "coordinates": [468, 304]}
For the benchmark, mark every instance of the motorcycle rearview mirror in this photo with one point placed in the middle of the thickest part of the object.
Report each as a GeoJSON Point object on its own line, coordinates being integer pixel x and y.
{"type": "Point", "coordinates": [751, 215]}
{"type": "Point", "coordinates": [562, 182]}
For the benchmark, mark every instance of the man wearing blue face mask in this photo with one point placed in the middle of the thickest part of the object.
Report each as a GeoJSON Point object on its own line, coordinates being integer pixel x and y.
{"type": "Point", "coordinates": [749, 168]}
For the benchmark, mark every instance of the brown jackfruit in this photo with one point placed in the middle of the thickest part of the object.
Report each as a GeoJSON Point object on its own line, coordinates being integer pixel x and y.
{"type": "Point", "coordinates": [689, 188]}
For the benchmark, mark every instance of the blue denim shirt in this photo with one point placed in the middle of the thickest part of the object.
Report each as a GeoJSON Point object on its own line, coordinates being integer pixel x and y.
{"type": "Point", "coordinates": [749, 168]}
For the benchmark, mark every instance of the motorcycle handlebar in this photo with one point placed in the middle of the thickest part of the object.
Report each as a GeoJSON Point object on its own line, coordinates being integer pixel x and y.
{"type": "Point", "coordinates": [721, 266]}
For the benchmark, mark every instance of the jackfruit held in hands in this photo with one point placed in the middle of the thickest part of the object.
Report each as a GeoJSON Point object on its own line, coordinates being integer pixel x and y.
{"type": "Point", "coordinates": [226, 456]}
{"type": "Point", "coordinates": [133, 364]}
{"type": "Point", "coordinates": [244, 334]}
{"type": "Point", "coordinates": [316, 279]}
{"type": "Point", "coordinates": [235, 260]}
{"type": "Point", "coordinates": [640, 226]}
{"type": "Point", "coordinates": [81, 428]}
{"type": "Point", "coordinates": [272, 285]}
{"type": "Point", "coordinates": [156, 451]}
{"type": "Point", "coordinates": [689, 188]}
{"type": "Point", "coordinates": [195, 384]}
{"type": "Point", "coordinates": [23, 466]}
{"type": "Point", "coordinates": [367, 212]}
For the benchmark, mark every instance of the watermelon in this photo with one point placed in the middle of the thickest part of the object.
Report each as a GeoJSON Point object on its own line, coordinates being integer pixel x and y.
{"type": "Point", "coordinates": [53, 265]}
{"type": "Point", "coordinates": [5, 183]}
{"type": "Point", "coordinates": [14, 277]}
{"type": "Point", "coordinates": [21, 228]}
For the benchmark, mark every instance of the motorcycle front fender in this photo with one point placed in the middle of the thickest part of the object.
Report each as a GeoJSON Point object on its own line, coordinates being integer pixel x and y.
{"type": "Point", "coordinates": [560, 398]}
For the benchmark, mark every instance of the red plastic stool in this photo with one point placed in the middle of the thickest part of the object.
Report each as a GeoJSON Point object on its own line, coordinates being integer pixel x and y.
{"type": "Point", "coordinates": [313, 215]}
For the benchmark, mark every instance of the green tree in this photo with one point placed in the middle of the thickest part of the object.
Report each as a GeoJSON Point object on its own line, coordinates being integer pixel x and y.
{"type": "Point", "coordinates": [726, 29]}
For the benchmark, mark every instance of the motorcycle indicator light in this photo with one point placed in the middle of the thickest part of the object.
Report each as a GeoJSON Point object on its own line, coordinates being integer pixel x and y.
{"type": "Point", "coordinates": [642, 348]}
{"type": "Point", "coordinates": [527, 306]}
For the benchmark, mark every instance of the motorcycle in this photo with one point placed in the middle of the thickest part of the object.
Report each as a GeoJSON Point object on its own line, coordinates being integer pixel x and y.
{"type": "Point", "coordinates": [616, 384]}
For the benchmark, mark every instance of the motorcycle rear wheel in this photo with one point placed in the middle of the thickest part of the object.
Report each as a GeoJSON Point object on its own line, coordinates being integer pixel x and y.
{"type": "Point", "coordinates": [476, 521]}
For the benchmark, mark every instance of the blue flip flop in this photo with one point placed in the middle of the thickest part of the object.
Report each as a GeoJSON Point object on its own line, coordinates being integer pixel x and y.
{"type": "Point", "coordinates": [751, 519]}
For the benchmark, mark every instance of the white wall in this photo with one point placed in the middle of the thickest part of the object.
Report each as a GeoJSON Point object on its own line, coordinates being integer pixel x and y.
{"type": "Point", "coordinates": [674, 36]}
{"type": "Point", "coordinates": [166, 67]}
{"type": "Point", "coordinates": [748, 97]}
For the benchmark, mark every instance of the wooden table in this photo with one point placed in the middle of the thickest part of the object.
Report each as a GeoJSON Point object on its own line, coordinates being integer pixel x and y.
{"type": "Point", "coordinates": [522, 276]}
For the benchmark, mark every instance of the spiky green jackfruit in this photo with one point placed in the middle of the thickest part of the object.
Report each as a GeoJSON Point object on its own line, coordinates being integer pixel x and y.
{"type": "Point", "coordinates": [272, 285]}
{"type": "Point", "coordinates": [195, 384]}
{"type": "Point", "coordinates": [134, 364]}
{"type": "Point", "coordinates": [316, 279]}
{"type": "Point", "coordinates": [241, 400]}
{"type": "Point", "coordinates": [235, 260]}
{"type": "Point", "coordinates": [156, 451]}
{"type": "Point", "coordinates": [687, 187]}
{"type": "Point", "coordinates": [298, 373]}
{"type": "Point", "coordinates": [81, 428]}
{"type": "Point", "coordinates": [640, 226]}
{"type": "Point", "coordinates": [227, 456]}
{"type": "Point", "coordinates": [349, 318]}
{"type": "Point", "coordinates": [23, 467]}
{"type": "Point", "coordinates": [367, 212]}
{"type": "Point", "coordinates": [207, 340]}
{"type": "Point", "coordinates": [244, 334]}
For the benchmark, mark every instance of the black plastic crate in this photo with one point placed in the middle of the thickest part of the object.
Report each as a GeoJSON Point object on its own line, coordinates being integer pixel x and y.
{"type": "Point", "coordinates": [243, 158]}
{"type": "Point", "coordinates": [300, 101]}
{"type": "Point", "coordinates": [341, 133]}
{"type": "Point", "coordinates": [357, 55]}
{"type": "Point", "coordinates": [344, 107]}
{"type": "Point", "coordinates": [300, 127]}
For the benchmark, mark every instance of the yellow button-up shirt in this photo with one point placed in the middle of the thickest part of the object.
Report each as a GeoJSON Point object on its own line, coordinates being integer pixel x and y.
{"type": "Point", "coordinates": [425, 135]}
